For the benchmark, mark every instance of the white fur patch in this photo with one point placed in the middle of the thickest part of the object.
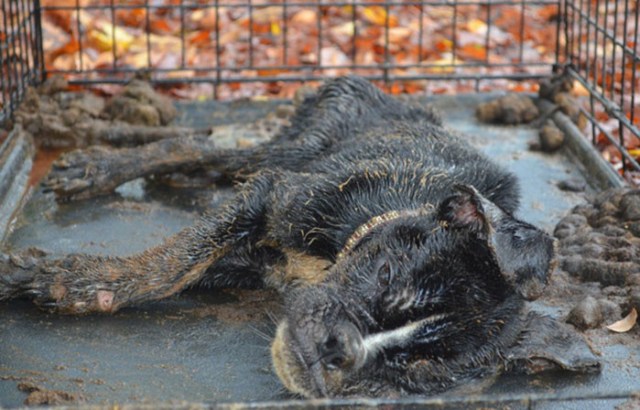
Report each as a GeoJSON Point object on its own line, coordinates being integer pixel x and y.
{"type": "Point", "coordinates": [372, 344]}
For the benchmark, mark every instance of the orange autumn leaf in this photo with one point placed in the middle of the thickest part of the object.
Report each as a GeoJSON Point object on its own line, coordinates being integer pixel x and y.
{"type": "Point", "coordinates": [131, 17]}
{"type": "Point", "coordinates": [205, 19]}
{"type": "Point", "coordinates": [160, 26]}
{"type": "Point", "coordinates": [396, 88]}
{"type": "Point", "coordinates": [473, 52]}
{"type": "Point", "coordinates": [70, 48]}
{"type": "Point", "coordinates": [202, 37]}
{"type": "Point", "coordinates": [377, 15]}
{"type": "Point", "coordinates": [443, 45]}
{"type": "Point", "coordinates": [61, 18]}
{"type": "Point", "coordinates": [549, 12]}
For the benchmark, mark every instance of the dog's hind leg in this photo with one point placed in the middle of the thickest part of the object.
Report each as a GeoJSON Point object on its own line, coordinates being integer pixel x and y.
{"type": "Point", "coordinates": [334, 115]}
{"type": "Point", "coordinates": [80, 283]}
{"type": "Point", "coordinates": [96, 171]}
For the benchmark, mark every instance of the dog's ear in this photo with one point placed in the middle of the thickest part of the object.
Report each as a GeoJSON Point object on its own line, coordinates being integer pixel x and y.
{"type": "Point", "coordinates": [466, 209]}
{"type": "Point", "coordinates": [524, 253]}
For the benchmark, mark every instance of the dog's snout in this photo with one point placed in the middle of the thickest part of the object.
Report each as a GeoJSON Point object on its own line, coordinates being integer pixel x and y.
{"type": "Point", "coordinates": [332, 353]}
{"type": "Point", "coordinates": [342, 348]}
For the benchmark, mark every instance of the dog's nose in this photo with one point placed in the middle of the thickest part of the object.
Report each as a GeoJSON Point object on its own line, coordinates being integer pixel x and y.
{"type": "Point", "coordinates": [332, 353]}
{"type": "Point", "coordinates": [342, 349]}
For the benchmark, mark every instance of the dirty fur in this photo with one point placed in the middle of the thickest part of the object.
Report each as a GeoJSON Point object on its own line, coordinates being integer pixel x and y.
{"type": "Point", "coordinates": [394, 245]}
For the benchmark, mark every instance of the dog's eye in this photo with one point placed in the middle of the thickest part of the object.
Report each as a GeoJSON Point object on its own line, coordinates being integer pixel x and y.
{"type": "Point", "coordinates": [385, 273]}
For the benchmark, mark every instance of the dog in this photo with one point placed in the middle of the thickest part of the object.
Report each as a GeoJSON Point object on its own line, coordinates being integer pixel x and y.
{"type": "Point", "coordinates": [394, 244]}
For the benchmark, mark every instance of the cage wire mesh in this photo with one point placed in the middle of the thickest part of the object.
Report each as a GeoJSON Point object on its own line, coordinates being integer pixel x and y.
{"type": "Point", "coordinates": [603, 55]}
{"type": "Point", "coordinates": [228, 43]}
{"type": "Point", "coordinates": [20, 51]}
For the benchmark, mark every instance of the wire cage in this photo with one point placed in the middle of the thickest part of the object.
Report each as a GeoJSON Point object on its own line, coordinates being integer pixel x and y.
{"type": "Point", "coordinates": [602, 53]}
{"type": "Point", "coordinates": [20, 52]}
{"type": "Point", "coordinates": [220, 41]}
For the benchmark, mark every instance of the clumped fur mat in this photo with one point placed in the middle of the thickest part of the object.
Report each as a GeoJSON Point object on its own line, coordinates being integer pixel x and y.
{"type": "Point", "coordinates": [393, 244]}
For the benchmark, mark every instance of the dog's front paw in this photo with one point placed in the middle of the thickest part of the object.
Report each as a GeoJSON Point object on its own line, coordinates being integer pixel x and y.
{"type": "Point", "coordinates": [83, 174]}
{"type": "Point", "coordinates": [17, 272]}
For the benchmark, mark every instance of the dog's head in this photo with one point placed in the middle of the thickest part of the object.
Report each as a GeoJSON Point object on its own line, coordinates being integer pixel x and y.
{"type": "Point", "coordinates": [417, 288]}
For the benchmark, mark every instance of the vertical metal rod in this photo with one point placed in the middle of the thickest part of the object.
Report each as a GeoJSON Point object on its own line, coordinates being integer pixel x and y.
{"type": "Point", "coordinates": [604, 48]}
{"type": "Point", "coordinates": [521, 51]}
{"type": "Point", "coordinates": [218, 68]}
{"type": "Point", "coordinates": [587, 60]}
{"type": "Point", "coordinates": [564, 17]}
{"type": "Point", "coordinates": [6, 104]}
{"type": "Point", "coordinates": [594, 82]}
{"type": "Point", "coordinates": [37, 19]}
{"type": "Point", "coordinates": [354, 35]}
{"type": "Point", "coordinates": [113, 34]}
{"type": "Point", "coordinates": [387, 58]}
{"type": "Point", "coordinates": [635, 67]}
{"type": "Point", "coordinates": [488, 36]}
{"type": "Point", "coordinates": [558, 30]}
{"type": "Point", "coordinates": [22, 56]}
{"type": "Point", "coordinates": [625, 27]}
{"type": "Point", "coordinates": [250, 11]}
{"type": "Point", "coordinates": [594, 136]}
{"type": "Point", "coordinates": [621, 131]}
{"type": "Point", "coordinates": [147, 29]}
{"type": "Point", "coordinates": [5, 63]}
{"type": "Point", "coordinates": [183, 49]}
{"type": "Point", "coordinates": [454, 30]}
{"type": "Point", "coordinates": [26, 31]}
{"type": "Point", "coordinates": [580, 26]}
{"type": "Point", "coordinates": [79, 28]}
{"type": "Point", "coordinates": [319, 28]}
{"type": "Point", "coordinates": [613, 53]}
{"type": "Point", "coordinates": [285, 56]}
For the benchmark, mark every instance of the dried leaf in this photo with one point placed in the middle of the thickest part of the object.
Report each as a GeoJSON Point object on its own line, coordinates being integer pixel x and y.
{"type": "Point", "coordinates": [204, 19]}
{"type": "Point", "coordinates": [399, 34]}
{"type": "Point", "coordinates": [477, 26]}
{"type": "Point", "coordinates": [304, 17]}
{"type": "Point", "coordinates": [375, 15]}
{"type": "Point", "coordinates": [346, 29]}
{"type": "Point", "coordinates": [267, 15]}
{"type": "Point", "coordinates": [473, 52]}
{"type": "Point", "coordinates": [202, 37]}
{"type": "Point", "coordinates": [60, 17]}
{"type": "Point", "coordinates": [626, 324]}
{"type": "Point", "coordinates": [132, 17]}
{"type": "Point", "coordinates": [275, 29]}
{"type": "Point", "coordinates": [103, 34]}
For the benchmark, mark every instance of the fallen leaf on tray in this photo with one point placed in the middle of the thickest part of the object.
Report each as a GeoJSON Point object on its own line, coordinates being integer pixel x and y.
{"type": "Point", "coordinates": [626, 324]}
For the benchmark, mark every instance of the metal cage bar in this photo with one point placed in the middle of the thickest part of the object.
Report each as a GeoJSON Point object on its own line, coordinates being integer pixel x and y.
{"type": "Point", "coordinates": [602, 54]}
{"type": "Point", "coordinates": [293, 64]}
{"type": "Point", "coordinates": [21, 53]}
